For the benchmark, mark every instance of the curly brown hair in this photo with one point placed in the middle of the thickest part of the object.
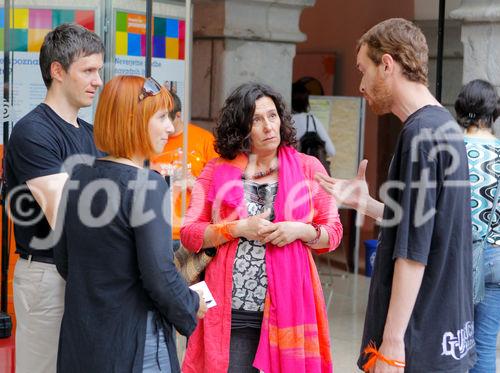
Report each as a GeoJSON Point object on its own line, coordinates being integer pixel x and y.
{"type": "Point", "coordinates": [404, 41]}
{"type": "Point", "coordinates": [234, 124]}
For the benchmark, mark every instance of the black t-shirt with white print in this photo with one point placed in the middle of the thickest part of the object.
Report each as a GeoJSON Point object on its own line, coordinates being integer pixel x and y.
{"type": "Point", "coordinates": [427, 213]}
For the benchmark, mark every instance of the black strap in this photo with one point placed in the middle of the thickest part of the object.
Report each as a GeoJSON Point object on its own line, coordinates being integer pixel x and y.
{"type": "Point", "coordinates": [307, 123]}
{"type": "Point", "coordinates": [37, 258]}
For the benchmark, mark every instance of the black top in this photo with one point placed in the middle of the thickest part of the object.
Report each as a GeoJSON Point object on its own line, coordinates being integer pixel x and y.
{"type": "Point", "coordinates": [429, 189]}
{"type": "Point", "coordinates": [39, 145]}
{"type": "Point", "coordinates": [116, 255]}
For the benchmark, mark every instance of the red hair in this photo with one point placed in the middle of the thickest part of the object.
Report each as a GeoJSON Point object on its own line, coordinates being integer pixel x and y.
{"type": "Point", "coordinates": [121, 120]}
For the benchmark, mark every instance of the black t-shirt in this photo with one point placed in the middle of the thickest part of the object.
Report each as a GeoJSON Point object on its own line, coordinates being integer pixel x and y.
{"type": "Point", "coordinates": [40, 144]}
{"type": "Point", "coordinates": [429, 181]}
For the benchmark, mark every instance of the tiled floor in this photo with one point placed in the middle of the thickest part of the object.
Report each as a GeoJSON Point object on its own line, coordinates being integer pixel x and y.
{"type": "Point", "coordinates": [346, 310]}
{"type": "Point", "coordinates": [346, 313]}
{"type": "Point", "coordinates": [346, 296]}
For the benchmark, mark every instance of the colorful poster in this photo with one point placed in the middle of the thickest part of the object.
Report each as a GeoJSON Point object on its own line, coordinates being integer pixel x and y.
{"type": "Point", "coordinates": [163, 70]}
{"type": "Point", "coordinates": [168, 36]}
{"type": "Point", "coordinates": [167, 65]}
{"type": "Point", "coordinates": [28, 29]}
{"type": "Point", "coordinates": [29, 26]}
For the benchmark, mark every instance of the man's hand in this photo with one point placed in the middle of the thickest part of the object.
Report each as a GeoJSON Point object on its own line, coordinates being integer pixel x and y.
{"type": "Point", "coordinates": [351, 193]}
{"type": "Point", "coordinates": [392, 350]}
{"type": "Point", "coordinates": [202, 309]}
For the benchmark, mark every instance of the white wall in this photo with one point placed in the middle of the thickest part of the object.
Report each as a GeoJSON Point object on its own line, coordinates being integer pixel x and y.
{"type": "Point", "coordinates": [429, 9]}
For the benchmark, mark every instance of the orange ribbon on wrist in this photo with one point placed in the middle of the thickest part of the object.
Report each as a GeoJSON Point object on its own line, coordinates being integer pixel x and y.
{"type": "Point", "coordinates": [375, 355]}
{"type": "Point", "coordinates": [223, 229]}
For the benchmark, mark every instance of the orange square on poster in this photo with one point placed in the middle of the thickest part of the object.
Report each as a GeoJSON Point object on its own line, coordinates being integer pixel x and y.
{"type": "Point", "coordinates": [136, 24]}
{"type": "Point", "coordinates": [172, 48]}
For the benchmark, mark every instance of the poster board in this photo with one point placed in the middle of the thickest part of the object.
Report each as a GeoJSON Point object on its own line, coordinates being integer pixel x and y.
{"type": "Point", "coordinates": [128, 44]}
{"type": "Point", "coordinates": [31, 20]}
{"type": "Point", "coordinates": [343, 117]}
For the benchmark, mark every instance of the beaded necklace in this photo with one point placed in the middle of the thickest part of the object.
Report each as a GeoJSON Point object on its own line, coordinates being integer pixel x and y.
{"type": "Point", "coordinates": [261, 174]}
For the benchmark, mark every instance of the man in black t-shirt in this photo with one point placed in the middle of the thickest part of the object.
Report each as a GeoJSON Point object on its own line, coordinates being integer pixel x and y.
{"type": "Point", "coordinates": [48, 137]}
{"type": "Point", "coordinates": [419, 313]}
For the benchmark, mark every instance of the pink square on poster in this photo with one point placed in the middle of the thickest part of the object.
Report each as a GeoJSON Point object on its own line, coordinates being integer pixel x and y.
{"type": "Point", "coordinates": [182, 30]}
{"type": "Point", "coordinates": [143, 45]}
{"type": "Point", "coordinates": [40, 19]}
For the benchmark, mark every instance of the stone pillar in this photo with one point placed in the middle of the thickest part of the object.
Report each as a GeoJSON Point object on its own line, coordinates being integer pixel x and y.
{"type": "Point", "coordinates": [481, 38]}
{"type": "Point", "coordinates": [236, 41]}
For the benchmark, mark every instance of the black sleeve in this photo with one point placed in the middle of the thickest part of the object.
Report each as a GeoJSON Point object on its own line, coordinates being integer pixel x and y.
{"type": "Point", "coordinates": [168, 290]}
{"type": "Point", "coordinates": [34, 152]}
{"type": "Point", "coordinates": [417, 199]}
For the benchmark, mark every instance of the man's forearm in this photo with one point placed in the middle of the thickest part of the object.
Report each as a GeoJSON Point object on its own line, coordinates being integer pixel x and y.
{"type": "Point", "coordinates": [47, 191]}
{"type": "Point", "coordinates": [406, 283]}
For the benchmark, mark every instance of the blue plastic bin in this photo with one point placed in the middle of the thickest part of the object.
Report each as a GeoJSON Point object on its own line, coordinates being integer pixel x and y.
{"type": "Point", "coordinates": [370, 252]}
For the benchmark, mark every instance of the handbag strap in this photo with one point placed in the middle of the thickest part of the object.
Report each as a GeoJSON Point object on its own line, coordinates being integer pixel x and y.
{"type": "Point", "coordinates": [493, 210]}
{"type": "Point", "coordinates": [307, 123]}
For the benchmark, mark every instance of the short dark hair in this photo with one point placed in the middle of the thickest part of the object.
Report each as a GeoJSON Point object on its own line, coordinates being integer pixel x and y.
{"type": "Point", "coordinates": [234, 124]}
{"type": "Point", "coordinates": [177, 105]}
{"type": "Point", "coordinates": [477, 104]}
{"type": "Point", "coordinates": [65, 44]}
{"type": "Point", "coordinates": [300, 98]}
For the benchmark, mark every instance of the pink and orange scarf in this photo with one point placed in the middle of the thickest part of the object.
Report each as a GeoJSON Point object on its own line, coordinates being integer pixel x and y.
{"type": "Point", "coordinates": [294, 335]}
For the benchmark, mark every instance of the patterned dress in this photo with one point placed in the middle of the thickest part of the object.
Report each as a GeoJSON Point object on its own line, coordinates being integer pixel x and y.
{"type": "Point", "coordinates": [484, 170]}
{"type": "Point", "coordinates": [249, 271]}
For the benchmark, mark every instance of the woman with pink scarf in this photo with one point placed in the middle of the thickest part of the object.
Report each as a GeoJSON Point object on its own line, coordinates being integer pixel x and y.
{"type": "Point", "coordinates": [259, 205]}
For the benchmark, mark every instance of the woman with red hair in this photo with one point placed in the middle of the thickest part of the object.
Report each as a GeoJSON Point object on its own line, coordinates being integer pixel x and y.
{"type": "Point", "coordinates": [123, 292]}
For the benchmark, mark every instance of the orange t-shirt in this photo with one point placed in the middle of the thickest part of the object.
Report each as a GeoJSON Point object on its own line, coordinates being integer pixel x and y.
{"type": "Point", "coordinates": [200, 151]}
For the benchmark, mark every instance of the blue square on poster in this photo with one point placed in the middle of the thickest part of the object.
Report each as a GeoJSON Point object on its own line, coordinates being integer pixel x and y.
{"type": "Point", "coordinates": [159, 46]}
{"type": "Point", "coordinates": [134, 44]}
{"type": "Point", "coordinates": [2, 18]}
{"type": "Point", "coordinates": [172, 28]}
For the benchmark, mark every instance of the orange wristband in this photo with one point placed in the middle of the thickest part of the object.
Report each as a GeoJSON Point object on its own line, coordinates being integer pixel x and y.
{"type": "Point", "coordinates": [223, 229]}
{"type": "Point", "coordinates": [376, 355]}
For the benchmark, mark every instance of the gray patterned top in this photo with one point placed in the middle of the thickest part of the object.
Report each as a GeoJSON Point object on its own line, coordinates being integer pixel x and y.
{"type": "Point", "coordinates": [249, 271]}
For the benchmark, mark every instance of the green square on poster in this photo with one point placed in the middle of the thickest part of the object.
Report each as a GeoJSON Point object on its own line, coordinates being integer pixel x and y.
{"type": "Point", "coordinates": [60, 16]}
{"type": "Point", "coordinates": [121, 21]}
{"type": "Point", "coordinates": [19, 40]}
{"type": "Point", "coordinates": [1, 39]}
{"type": "Point", "coordinates": [160, 28]}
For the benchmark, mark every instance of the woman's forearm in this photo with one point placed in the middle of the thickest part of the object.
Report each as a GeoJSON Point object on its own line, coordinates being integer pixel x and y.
{"type": "Point", "coordinates": [309, 233]}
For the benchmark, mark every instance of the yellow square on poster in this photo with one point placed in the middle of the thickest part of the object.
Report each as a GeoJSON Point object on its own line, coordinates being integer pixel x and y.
{"type": "Point", "coordinates": [121, 40]}
{"type": "Point", "coordinates": [35, 39]}
{"type": "Point", "coordinates": [172, 48]}
{"type": "Point", "coordinates": [19, 18]}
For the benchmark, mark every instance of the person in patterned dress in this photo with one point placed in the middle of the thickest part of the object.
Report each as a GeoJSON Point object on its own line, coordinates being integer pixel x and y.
{"type": "Point", "coordinates": [477, 110]}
